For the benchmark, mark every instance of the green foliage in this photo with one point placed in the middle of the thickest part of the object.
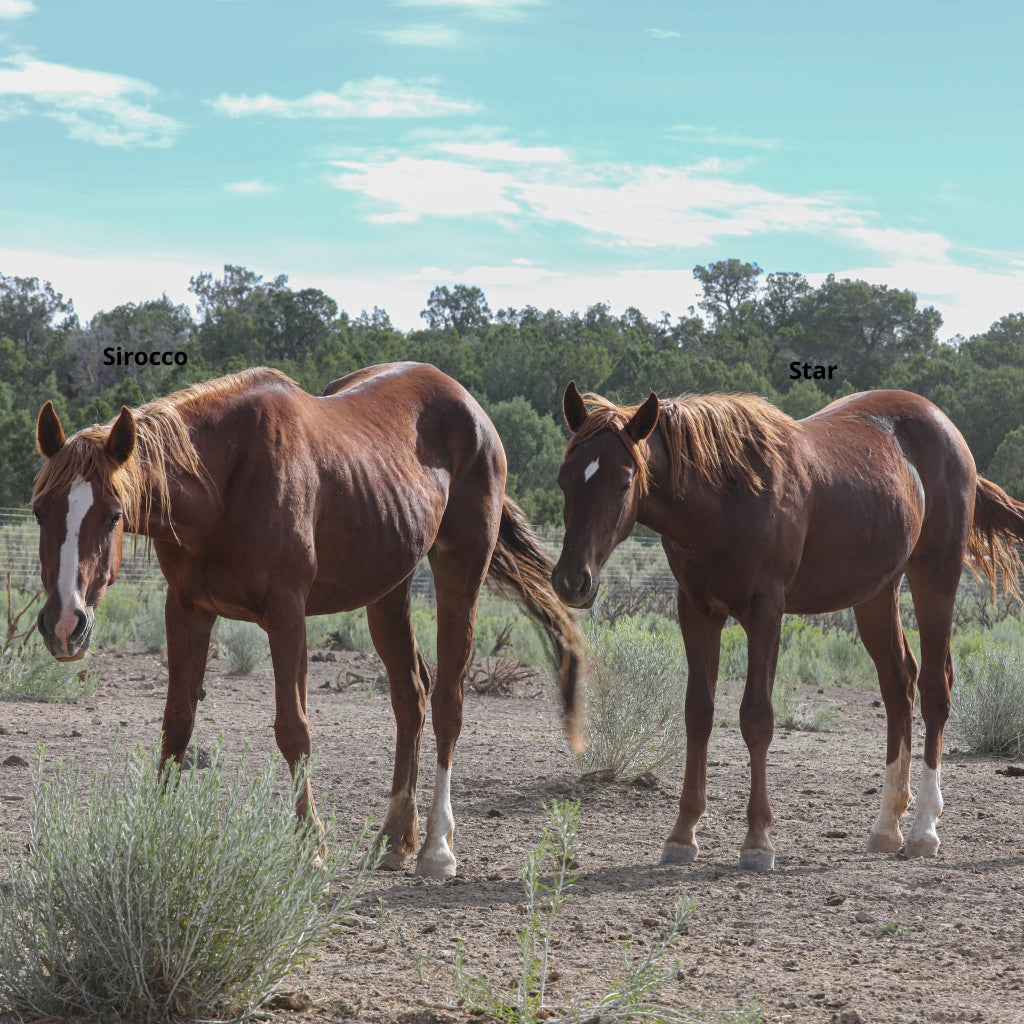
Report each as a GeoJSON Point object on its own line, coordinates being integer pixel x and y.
{"type": "Point", "coordinates": [548, 877]}
{"type": "Point", "coordinates": [243, 645]}
{"type": "Point", "coordinates": [149, 630]}
{"type": "Point", "coordinates": [28, 672]}
{"type": "Point", "coordinates": [635, 700]}
{"type": "Point", "coordinates": [193, 896]}
{"type": "Point", "coordinates": [988, 700]}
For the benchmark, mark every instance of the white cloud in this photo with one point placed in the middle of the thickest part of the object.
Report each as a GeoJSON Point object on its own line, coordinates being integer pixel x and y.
{"type": "Point", "coordinates": [711, 136]}
{"type": "Point", "coordinates": [422, 35]}
{"type": "Point", "coordinates": [376, 97]}
{"type": "Point", "coordinates": [494, 10]}
{"type": "Point", "coordinates": [424, 187]}
{"type": "Point", "coordinates": [254, 187]}
{"type": "Point", "coordinates": [95, 106]}
{"type": "Point", "coordinates": [499, 151]}
{"type": "Point", "coordinates": [16, 8]}
{"type": "Point", "coordinates": [664, 33]}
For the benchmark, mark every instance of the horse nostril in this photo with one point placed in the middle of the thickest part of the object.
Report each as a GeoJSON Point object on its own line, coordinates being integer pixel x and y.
{"type": "Point", "coordinates": [41, 625]}
{"type": "Point", "coordinates": [83, 624]}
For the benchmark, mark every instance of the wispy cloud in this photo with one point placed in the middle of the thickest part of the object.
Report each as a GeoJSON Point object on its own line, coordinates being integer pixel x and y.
{"type": "Point", "coordinates": [438, 36]}
{"type": "Point", "coordinates": [664, 33]}
{"type": "Point", "coordinates": [95, 106]}
{"type": "Point", "coordinates": [494, 10]}
{"type": "Point", "coordinates": [12, 9]}
{"type": "Point", "coordinates": [254, 187]}
{"type": "Point", "coordinates": [713, 137]}
{"type": "Point", "coordinates": [376, 97]}
{"type": "Point", "coordinates": [625, 205]}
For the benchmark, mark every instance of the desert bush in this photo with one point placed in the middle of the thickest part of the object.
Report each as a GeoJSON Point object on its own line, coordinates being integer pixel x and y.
{"type": "Point", "coordinates": [149, 630]}
{"type": "Point", "coordinates": [988, 700]}
{"type": "Point", "coordinates": [635, 700]}
{"type": "Point", "coordinates": [194, 896]}
{"type": "Point", "coordinates": [548, 877]}
{"type": "Point", "coordinates": [28, 672]}
{"type": "Point", "coordinates": [243, 646]}
{"type": "Point", "coordinates": [345, 630]}
{"type": "Point", "coordinates": [115, 620]}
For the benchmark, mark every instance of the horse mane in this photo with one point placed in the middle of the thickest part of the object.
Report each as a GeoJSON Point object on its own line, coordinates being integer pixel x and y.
{"type": "Point", "coordinates": [728, 440]}
{"type": "Point", "coordinates": [164, 448]}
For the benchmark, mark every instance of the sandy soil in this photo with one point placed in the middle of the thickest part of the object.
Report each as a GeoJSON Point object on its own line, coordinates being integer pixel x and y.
{"type": "Point", "coordinates": [832, 934]}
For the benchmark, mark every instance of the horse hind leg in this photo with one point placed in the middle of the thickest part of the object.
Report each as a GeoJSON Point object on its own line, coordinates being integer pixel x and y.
{"type": "Point", "coordinates": [458, 577]}
{"type": "Point", "coordinates": [878, 620]}
{"type": "Point", "coordinates": [390, 622]}
{"type": "Point", "coordinates": [933, 603]}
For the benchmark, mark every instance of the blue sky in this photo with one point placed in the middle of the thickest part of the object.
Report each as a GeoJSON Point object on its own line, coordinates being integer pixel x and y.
{"type": "Point", "coordinates": [552, 152]}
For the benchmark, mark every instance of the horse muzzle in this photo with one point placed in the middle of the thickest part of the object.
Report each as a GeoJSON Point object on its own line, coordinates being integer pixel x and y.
{"type": "Point", "coordinates": [576, 587]}
{"type": "Point", "coordinates": [74, 645]}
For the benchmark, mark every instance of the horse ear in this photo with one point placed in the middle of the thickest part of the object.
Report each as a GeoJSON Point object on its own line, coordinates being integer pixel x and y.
{"type": "Point", "coordinates": [644, 420]}
{"type": "Point", "coordinates": [573, 407]}
{"type": "Point", "coordinates": [121, 441]}
{"type": "Point", "coordinates": [49, 433]}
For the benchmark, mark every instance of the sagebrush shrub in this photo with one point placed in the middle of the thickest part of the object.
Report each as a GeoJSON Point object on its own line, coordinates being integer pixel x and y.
{"type": "Point", "coordinates": [28, 672]}
{"type": "Point", "coordinates": [193, 895]}
{"type": "Point", "coordinates": [243, 646]}
{"type": "Point", "coordinates": [635, 700]}
{"type": "Point", "coordinates": [988, 700]}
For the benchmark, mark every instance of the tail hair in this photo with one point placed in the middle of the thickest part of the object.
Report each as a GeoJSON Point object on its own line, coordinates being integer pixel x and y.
{"type": "Point", "coordinates": [994, 547]}
{"type": "Point", "coordinates": [521, 570]}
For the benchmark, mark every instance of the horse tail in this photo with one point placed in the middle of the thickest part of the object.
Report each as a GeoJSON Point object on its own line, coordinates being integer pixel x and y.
{"type": "Point", "coordinates": [522, 571]}
{"type": "Point", "coordinates": [997, 537]}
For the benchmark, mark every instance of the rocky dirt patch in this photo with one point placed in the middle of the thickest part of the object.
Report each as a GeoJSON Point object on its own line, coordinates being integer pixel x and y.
{"type": "Point", "coordinates": [832, 935]}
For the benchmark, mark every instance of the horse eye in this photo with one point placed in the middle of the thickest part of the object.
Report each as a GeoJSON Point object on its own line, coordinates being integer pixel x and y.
{"type": "Point", "coordinates": [38, 516]}
{"type": "Point", "coordinates": [114, 520]}
{"type": "Point", "coordinates": [625, 487]}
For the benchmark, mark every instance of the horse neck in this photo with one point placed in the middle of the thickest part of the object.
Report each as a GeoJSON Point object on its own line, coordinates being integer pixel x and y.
{"type": "Point", "coordinates": [662, 509]}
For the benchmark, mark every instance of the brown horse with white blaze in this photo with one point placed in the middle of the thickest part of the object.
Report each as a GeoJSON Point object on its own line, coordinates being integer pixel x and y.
{"type": "Point", "coordinates": [760, 515]}
{"type": "Point", "coordinates": [267, 504]}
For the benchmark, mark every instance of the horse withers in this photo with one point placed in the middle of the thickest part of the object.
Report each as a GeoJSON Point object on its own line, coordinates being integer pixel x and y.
{"type": "Point", "coordinates": [267, 504]}
{"type": "Point", "coordinates": [760, 515]}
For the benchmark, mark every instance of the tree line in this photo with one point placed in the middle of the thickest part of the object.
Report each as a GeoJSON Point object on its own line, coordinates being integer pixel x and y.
{"type": "Point", "coordinates": [749, 331]}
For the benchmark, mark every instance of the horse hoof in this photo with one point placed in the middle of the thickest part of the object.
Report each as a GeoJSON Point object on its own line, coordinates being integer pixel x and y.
{"type": "Point", "coordinates": [757, 860]}
{"type": "Point", "coordinates": [677, 853]}
{"type": "Point", "coordinates": [393, 860]}
{"type": "Point", "coordinates": [439, 864]}
{"type": "Point", "coordinates": [922, 846]}
{"type": "Point", "coordinates": [881, 842]}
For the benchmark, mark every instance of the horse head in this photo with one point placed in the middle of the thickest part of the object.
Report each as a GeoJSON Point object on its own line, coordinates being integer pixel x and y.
{"type": "Point", "coordinates": [78, 504]}
{"type": "Point", "coordinates": [603, 477]}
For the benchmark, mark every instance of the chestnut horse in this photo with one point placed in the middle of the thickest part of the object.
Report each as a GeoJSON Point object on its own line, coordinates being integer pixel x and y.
{"type": "Point", "coordinates": [759, 515]}
{"type": "Point", "coordinates": [267, 504]}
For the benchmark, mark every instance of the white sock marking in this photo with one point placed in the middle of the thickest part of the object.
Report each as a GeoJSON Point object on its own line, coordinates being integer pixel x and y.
{"type": "Point", "coordinates": [79, 503]}
{"type": "Point", "coordinates": [928, 806]}
{"type": "Point", "coordinates": [591, 470]}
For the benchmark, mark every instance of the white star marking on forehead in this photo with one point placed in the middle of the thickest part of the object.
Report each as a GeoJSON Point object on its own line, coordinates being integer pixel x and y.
{"type": "Point", "coordinates": [591, 470]}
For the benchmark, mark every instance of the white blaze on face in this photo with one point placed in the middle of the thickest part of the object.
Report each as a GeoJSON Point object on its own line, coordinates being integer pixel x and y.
{"type": "Point", "coordinates": [591, 470]}
{"type": "Point", "coordinates": [79, 503]}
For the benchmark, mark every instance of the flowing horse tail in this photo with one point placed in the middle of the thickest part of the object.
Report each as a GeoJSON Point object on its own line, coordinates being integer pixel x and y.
{"type": "Point", "coordinates": [522, 571]}
{"type": "Point", "coordinates": [997, 537]}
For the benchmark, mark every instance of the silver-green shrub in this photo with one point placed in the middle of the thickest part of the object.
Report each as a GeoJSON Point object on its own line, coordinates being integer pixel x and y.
{"type": "Point", "coordinates": [190, 896]}
{"type": "Point", "coordinates": [635, 700]}
{"type": "Point", "coordinates": [28, 672]}
{"type": "Point", "coordinates": [988, 700]}
{"type": "Point", "coordinates": [243, 646]}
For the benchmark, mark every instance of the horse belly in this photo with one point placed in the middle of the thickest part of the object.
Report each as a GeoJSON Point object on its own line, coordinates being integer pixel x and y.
{"type": "Point", "coordinates": [850, 554]}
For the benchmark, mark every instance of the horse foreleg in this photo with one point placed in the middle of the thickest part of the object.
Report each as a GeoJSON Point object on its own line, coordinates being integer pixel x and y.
{"type": "Point", "coordinates": [390, 622]}
{"type": "Point", "coordinates": [763, 625]}
{"type": "Point", "coordinates": [878, 621]}
{"type": "Point", "coordinates": [286, 631]}
{"type": "Point", "coordinates": [702, 634]}
{"type": "Point", "coordinates": [188, 644]}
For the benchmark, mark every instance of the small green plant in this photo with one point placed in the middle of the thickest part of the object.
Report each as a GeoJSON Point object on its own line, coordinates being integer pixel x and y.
{"type": "Point", "coordinates": [988, 700]}
{"type": "Point", "coordinates": [243, 646]}
{"type": "Point", "coordinates": [30, 673]}
{"type": "Point", "coordinates": [188, 895]}
{"type": "Point", "coordinates": [793, 713]}
{"type": "Point", "coordinates": [548, 877]}
{"type": "Point", "coordinates": [148, 628]}
{"type": "Point", "coordinates": [635, 702]}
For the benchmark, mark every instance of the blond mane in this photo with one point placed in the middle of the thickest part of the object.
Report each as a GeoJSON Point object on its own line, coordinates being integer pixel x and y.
{"type": "Point", "coordinates": [727, 440]}
{"type": "Point", "coordinates": [164, 448]}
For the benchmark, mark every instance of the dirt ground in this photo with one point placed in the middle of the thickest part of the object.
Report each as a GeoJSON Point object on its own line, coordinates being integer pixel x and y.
{"type": "Point", "coordinates": [832, 934]}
